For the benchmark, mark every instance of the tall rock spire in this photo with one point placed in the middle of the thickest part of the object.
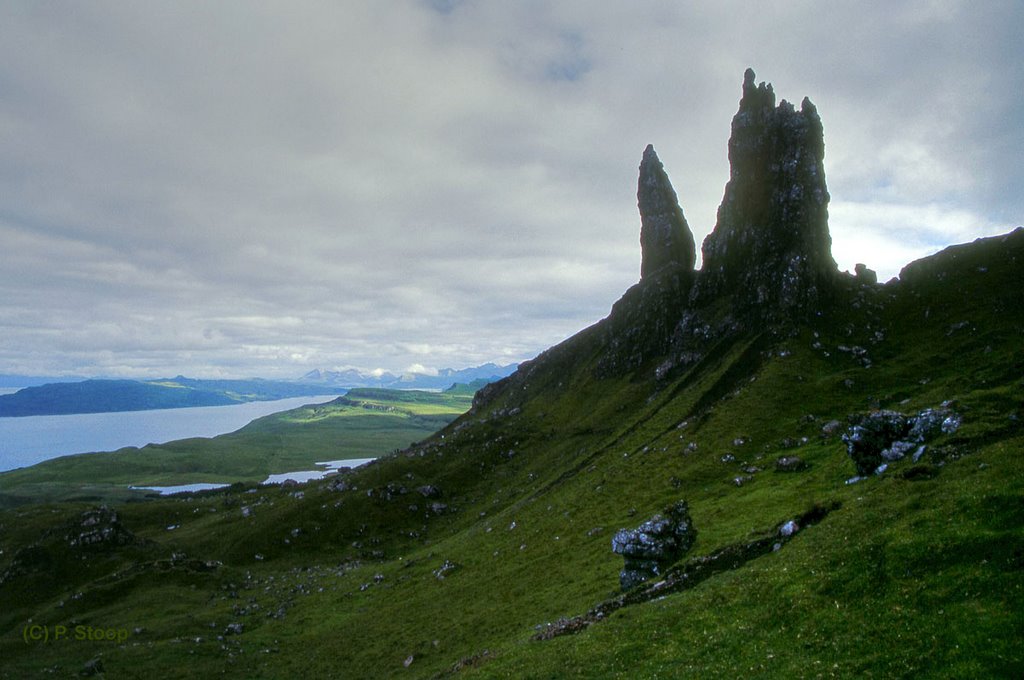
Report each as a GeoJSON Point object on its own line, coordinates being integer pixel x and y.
{"type": "Point", "coordinates": [771, 248]}
{"type": "Point", "coordinates": [665, 237]}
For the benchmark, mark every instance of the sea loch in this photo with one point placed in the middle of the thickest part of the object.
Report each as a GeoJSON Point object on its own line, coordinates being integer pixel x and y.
{"type": "Point", "coordinates": [30, 440]}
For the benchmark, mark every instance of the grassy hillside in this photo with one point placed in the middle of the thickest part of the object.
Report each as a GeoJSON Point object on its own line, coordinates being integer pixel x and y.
{"type": "Point", "coordinates": [448, 558]}
{"type": "Point", "coordinates": [365, 424]}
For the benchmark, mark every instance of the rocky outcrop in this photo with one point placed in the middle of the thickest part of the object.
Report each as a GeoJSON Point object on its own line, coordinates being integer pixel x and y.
{"type": "Point", "coordinates": [655, 545]}
{"type": "Point", "coordinates": [865, 275]}
{"type": "Point", "coordinates": [99, 527]}
{"type": "Point", "coordinates": [665, 237]}
{"type": "Point", "coordinates": [97, 531]}
{"type": "Point", "coordinates": [881, 437]}
{"type": "Point", "coordinates": [771, 249]}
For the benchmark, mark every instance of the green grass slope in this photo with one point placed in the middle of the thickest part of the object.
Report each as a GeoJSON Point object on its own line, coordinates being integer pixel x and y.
{"type": "Point", "coordinates": [447, 558]}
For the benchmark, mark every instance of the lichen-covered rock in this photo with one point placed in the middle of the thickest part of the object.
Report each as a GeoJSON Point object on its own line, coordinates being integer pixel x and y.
{"type": "Point", "coordinates": [880, 437]}
{"type": "Point", "coordinates": [872, 433]}
{"type": "Point", "coordinates": [932, 422]}
{"type": "Point", "coordinates": [655, 545]}
{"type": "Point", "coordinates": [665, 237]}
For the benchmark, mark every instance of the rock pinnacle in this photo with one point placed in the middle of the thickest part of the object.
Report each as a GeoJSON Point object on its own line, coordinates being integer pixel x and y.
{"type": "Point", "coordinates": [665, 238]}
{"type": "Point", "coordinates": [771, 248]}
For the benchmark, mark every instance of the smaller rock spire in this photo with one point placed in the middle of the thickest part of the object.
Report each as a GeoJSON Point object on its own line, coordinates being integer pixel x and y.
{"type": "Point", "coordinates": [665, 237]}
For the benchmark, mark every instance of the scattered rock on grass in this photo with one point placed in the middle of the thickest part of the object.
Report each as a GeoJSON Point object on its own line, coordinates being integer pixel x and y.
{"type": "Point", "coordinates": [429, 491]}
{"type": "Point", "coordinates": [445, 570]}
{"type": "Point", "coordinates": [790, 464]}
{"type": "Point", "coordinates": [92, 667]}
{"type": "Point", "coordinates": [830, 428]}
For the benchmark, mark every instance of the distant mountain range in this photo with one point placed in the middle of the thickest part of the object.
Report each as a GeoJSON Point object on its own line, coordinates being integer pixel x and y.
{"type": "Point", "coordinates": [443, 379]}
{"type": "Point", "coordinates": [106, 396]}
{"type": "Point", "coordinates": [9, 381]}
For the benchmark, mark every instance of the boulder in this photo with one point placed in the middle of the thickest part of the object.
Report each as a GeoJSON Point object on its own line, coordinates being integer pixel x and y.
{"type": "Point", "coordinates": [92, 667]}
{"type": "Point", "coordinates": [655, 545]}
{"type": "Point", "coordinates": [445, 570]}
{"type": "Point", "coordinates": [881, 437]}
{"type": "Point", "coordinates": [790, 464]}
{"type": "Point", "coordinates": [429, 491]}
{"type": "Point", "coordinates": [830, 428]}
{"type": "Point", "coordinates": [865, 275]}
{"type": "Point", "coordinates": [871, 434]}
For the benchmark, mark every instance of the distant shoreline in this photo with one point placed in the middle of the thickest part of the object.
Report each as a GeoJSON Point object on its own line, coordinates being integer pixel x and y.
{"type": "Point", "coordinates": [29, 440]}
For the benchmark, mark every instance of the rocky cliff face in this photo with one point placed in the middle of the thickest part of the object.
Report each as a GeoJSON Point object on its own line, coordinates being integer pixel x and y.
{"type": "Point", "coordinates": [771, 249]}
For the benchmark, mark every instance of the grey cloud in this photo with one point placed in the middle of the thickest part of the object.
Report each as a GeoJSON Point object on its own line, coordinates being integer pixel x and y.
{"type": "Point", "coordinates": [259, 189]}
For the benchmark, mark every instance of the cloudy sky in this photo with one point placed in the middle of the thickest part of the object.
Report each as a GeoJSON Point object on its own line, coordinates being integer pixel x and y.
{"type": "Point", "coordinates": [262, 188]}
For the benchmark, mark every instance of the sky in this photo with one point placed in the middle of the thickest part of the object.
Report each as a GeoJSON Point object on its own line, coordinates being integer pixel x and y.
{"type": "Point", "coordinates": [257, 188]}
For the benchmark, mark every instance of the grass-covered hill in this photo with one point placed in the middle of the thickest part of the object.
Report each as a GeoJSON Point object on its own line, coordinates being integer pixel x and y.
{"type": "Point", "coordinates": [485, 550]}
{"type": "Point", "coordinates": [449, 557]}
{"type": "Point", "coordinates": [365, 423]}
{"type": "Point", "coordinates": [106, 396]}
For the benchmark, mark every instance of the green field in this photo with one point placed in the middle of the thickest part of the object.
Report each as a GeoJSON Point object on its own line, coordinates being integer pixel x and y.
{"type": "Point", "coordinates": [365, 424]}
